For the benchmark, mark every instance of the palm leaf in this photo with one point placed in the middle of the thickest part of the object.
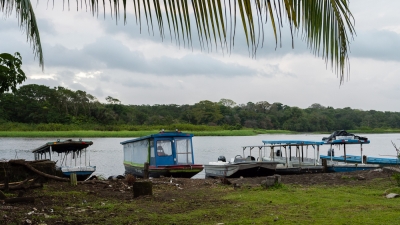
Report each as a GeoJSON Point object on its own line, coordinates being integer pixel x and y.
{"type": "Point", "coordinates": [27, 21]}
{"type": "Point", "coordinates": [325, 25]}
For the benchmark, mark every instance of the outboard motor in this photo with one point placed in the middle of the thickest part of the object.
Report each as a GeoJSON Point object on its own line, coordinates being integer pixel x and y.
{"type": "Point", "coordinates": [331, 151]}
{"type": "Point", "coordinates": [279, 153]}
{"type": "Point", "coordinates": [222, 158]}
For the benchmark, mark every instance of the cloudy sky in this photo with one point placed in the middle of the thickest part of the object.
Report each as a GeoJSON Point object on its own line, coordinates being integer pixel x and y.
{"type": "Point", "coordinates": [82, 52]}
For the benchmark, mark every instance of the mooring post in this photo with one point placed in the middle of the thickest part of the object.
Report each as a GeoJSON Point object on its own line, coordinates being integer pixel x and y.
{"type": "Point", "coordinates": [146, 170]}
{"type": "Point", "coordinates": [324, 164]}
{"type": "Point", "coordinates": [73, 179]}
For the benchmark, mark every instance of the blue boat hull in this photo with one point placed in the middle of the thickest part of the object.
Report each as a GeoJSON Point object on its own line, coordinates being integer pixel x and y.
{"type": "Point", "coordinates": [370, 160]}
{"type": "Point", "coordinates": [348, 168]}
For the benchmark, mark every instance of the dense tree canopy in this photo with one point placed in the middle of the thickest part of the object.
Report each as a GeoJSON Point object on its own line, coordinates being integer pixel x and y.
{"type": "Point", "coordinates": [34, 104]}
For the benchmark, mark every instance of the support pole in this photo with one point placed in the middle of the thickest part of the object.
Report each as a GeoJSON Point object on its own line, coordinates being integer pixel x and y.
{"type": "Point", "coordinates": [51, 153]}
{"type": "Point", "coordinates": [315, 160]}
{"type": "Point", "coordinates": [362, 158]}
{"type": "Point", "coordinates": [287, 158]}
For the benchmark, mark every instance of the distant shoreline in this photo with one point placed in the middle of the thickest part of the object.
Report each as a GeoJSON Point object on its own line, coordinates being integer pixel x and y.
{"type": "Point", "coordinates": [92, 133]}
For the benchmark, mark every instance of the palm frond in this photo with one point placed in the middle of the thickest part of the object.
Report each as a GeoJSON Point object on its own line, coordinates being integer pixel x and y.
{"type": "Point", "coordinates": [27, 21]}
{"type": "Point", "coordinates": [325, 25]}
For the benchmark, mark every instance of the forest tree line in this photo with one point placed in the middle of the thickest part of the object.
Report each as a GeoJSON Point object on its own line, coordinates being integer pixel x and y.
{"type": "Point", "coordinates": [37, 104]}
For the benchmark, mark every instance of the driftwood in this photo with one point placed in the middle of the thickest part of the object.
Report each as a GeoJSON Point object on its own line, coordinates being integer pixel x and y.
{"type": "Point", "coordinates": [21, 199]}
{"type": "Point", "coordinates": [20, 162]}
{"type": "Point", "coordinates": [25, 184]}
{"type": "Point", "coordinates": [93, 182]}
{"type": "Point", "coordinates": [15, 183]}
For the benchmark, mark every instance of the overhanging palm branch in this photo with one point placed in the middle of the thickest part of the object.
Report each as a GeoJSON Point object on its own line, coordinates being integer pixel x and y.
{"type": "Point", "coordinates": [326, 25]}
{"type": "Point", "coordinates": [27, 21]}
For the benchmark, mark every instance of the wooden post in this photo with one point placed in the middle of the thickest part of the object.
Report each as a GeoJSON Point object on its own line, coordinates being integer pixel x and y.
{"type": "Point", "coordinates": [325, 165]}
{"type": "Point", "coordinates": [146, 170]}
{"type": "Point", "coordinates": [73, 179]}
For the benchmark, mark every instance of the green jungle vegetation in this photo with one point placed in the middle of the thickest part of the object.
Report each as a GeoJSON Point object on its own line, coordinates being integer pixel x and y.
{"type": "Point", "coordinates": [38, 110]}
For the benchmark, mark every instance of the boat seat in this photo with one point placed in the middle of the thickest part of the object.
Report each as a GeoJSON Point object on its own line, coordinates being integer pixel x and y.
{"type": "Point", "coordinates": [250, 158]}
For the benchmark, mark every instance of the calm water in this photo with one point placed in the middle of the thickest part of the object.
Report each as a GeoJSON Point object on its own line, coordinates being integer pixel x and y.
{"type": "Point", "coordinates": [107, 155]}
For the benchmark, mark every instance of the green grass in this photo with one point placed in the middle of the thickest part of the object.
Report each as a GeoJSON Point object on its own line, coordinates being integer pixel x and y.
{"type": "Point", "coordinates": [284, 204]}
{"type": "Point", "coordinates": [93, 133]}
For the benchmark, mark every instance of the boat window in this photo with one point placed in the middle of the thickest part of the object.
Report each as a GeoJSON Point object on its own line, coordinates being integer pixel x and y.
{"type": "Point", "coordinates": [183, 147]}
{"type": "Point", "coordinates": [164, 148]}
{"type": "Point", "coordinates": [137, 152]}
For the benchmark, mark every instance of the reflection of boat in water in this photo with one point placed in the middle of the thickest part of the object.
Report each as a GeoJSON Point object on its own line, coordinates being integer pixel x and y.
{"type": "Point", "coordinates": [281, 152]}
{"type": "Point", "coordinates": [240, 166]}
{"type": "Point", "coordinates": [342, 164]}
{"type": "Point", "coordinates": [167, 154]}
{"type": "Point", "coordinates": [71, 153]}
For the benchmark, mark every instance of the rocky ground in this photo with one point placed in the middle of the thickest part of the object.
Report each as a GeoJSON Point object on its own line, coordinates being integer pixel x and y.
{"type": "Point", "coordinates": [163, 188]}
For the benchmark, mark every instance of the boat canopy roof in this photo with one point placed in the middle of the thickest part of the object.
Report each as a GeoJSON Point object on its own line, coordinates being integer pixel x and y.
{"type": "Point", "coordinates": [63, 146]}
{"type": "Point", "coordinates": [346, 141]}
{"type": "Point", "coordinates": [291, 142]}
{"type": "Point", "coordinates": [159, 135]}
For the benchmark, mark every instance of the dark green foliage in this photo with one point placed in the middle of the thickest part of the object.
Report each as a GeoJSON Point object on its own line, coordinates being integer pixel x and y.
{"type": "Point", "coordinates": [11, 73]}
{"type": "Point", "coordinates": [59, 108]}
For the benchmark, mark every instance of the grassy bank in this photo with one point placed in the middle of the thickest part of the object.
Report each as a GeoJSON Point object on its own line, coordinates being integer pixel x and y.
{"type": "Point", "coordinates": [208, 202]}
{"type": "Point", "coordinates": [91, 133]}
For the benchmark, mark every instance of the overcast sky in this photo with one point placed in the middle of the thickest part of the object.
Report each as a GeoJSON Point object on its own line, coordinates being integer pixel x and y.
{"type": "Point", "coordinates": [82, 52]}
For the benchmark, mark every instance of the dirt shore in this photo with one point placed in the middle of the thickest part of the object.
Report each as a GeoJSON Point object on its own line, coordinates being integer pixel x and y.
{"type": "Point", "coordinates": [48, 205]}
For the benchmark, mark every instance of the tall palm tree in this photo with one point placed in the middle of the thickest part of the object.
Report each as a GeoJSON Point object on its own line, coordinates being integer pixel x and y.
{"type": "Point", "coordinates": [326, 25]}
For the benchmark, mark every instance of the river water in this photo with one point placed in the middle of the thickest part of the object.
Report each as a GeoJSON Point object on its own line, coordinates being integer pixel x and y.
{"type": "Point", "coordinates": [107, 155]}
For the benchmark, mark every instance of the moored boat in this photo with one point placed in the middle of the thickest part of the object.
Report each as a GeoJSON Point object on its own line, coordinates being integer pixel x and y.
{"type": "Point", "coordinates": [281, 152]}
{"type": "Point", "coordinates": [346, 163]}
{"type": "Point", "coordinates": [166, 153]}
{"type": "Point", "coordinates": [367, 159]}
{"type": "Point", "coordinates": [73, 157]}
{"type": "Point", "coordinates": [240, 166]}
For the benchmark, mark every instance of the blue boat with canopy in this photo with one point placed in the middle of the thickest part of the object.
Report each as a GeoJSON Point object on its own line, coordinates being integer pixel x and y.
{"type": "Point", "coordinates": [166, 153]}
{"type": "Point", "coordinates": [345, 163]}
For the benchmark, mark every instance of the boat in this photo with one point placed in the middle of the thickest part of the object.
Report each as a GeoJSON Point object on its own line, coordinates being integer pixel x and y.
{"type": "Point", "coordinates": [367, 159]}
{"type": "Point", "coordinates": [168, 154]}
{"type": "Point", "coordinates": [289, 164]}
{"type": "Point", "coordinates": [70, 155]}
{"type": "Point", "coordinates": [345, 163]}
{"type": "Point", "coordinates": [240, 166]}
